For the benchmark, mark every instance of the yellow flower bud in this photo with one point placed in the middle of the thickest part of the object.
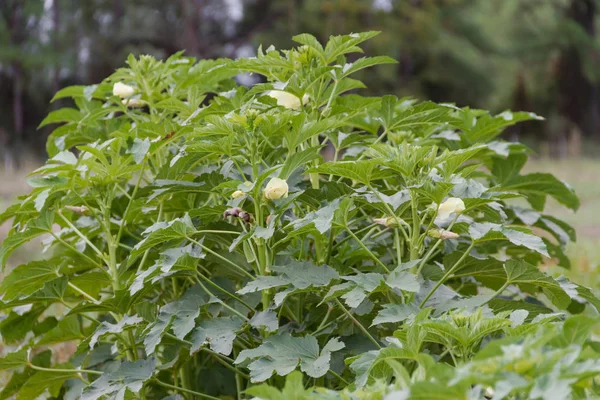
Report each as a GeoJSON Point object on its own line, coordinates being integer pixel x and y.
{"type": "Point", "coordinates": [237, 194]}
{"type": "Point", "coordinates": [276, 189]}
{"type": "Point", "coordinates": [442, 234]}
{"type": "Point", "coordinates": [389, 222]}
{"type": "Point", "coordinates": [453, 205]}
{"type": "Point", "coordinates": [288, 100]}
{"type": "Point", "coordinates": [81, 210]}
{"type": "Point", "coordinates": [122, 90]}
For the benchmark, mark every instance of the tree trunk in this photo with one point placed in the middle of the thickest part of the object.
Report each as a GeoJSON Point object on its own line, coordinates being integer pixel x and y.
{"type": "Point", "coordinates": [190, 23]}
{"type": "Point", "coordinates": [577, 98]}
{"type": "Point", "coordinates": [56, 42]}
{"type": "Point", "coordinates": [17, 134]}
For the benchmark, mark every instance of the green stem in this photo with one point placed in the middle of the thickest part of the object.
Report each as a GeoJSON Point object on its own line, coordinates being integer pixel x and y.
{"type": "Point", "coordinates": [502, 289]}
{"type": "Point", "coordinates": [75, 371]}
{"type": "Point", "coordinates": [81, 292]}
{"type": "Point", "coordinates": [224, 291]}
{"type": "Point", "coordinates": [133, 194]}
{"type": "Point", "coordinates": [416, 231]}
{"type": "Point", "coordinates": [81, 235]}
{"type": "Point", "coordinates": [223, 360]}
{"type": "Point", "coordinates": [242, 270]}
{"type": "Point", "coordinates": [321, 328]}
{"type": "Point", "coordinates": [227, 306]}
{"type": "Point", "coordinates": [360, 326]}
{"type": "Point", "coordinates": [358, 232]}
{"type": "Point", "coordinates": [397, 244]}
{"type": "Point", "coordinates": [238, 383]}
{"type": "Point", "coordinates": [447, 274]}
{"type": "Point", "coordinates": [332, 372]}
{"type": "Point", "coordinates": [188, 391]}
{"type": "Point", "coordinates": [432, 250]}
{"type": "Point", "coordinates": [145, 256]}
{"type": "Point", "coordinates": [134, 349]}
{"type": "Point", "coordinates": [329, 309]}
{"type": "Point", "coordinates": [66, 244]}
{"type": "Point", "coordinates": [365, 248]}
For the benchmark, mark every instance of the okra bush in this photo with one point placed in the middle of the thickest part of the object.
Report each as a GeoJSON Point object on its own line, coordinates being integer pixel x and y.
{"type": "Point", "coordinates": [291, 239]}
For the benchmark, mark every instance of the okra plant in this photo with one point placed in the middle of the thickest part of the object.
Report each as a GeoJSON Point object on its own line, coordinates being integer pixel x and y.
{"type": "Point", "coordinates": [203, 239]}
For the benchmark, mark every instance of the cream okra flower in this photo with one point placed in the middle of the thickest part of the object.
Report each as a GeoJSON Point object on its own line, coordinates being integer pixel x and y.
{"type": "Point", "coordinates": [453, 205]}
{"type": "Point", "coordinates": [288, 100]}
{"type": "Point", "coordinates": [276, 189]}
{"type": "Point", "coordinates": [122, 90]}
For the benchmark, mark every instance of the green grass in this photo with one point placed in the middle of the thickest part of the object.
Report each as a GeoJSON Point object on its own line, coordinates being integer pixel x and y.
{"type": "Point", "coordinates": [584, 176]}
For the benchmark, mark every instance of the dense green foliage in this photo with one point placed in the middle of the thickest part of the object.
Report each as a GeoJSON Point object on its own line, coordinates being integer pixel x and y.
{"type": "Point", "coordinates": [198, 242]}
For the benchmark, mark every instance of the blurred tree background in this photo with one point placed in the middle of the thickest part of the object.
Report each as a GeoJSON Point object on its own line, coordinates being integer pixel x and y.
{"type": "Point", "coordinates": [533, 55]}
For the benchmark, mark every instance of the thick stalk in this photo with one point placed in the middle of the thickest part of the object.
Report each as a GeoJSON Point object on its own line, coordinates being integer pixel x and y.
{"type": "Point", "coordinates": [260, 242]}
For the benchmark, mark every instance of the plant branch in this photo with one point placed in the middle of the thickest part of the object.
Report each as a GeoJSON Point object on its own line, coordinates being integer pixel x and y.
{"type": "Point", "coordinates": [357, 323]}
{"type": "Point", "coordinates": [447, 274]}
{"type": "Point", "coordinates": [365, 248]}
{"type": "Point", "coordinates": [180, 389]}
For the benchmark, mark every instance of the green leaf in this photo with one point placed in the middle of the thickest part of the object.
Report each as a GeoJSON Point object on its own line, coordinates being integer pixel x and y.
{"type": "Point", "coordinates": [366, 364]}
{"type": "Point", "coordinates": [69, 91]}
{"type": "Point", "coordinates": [292, 390]}
{"type": "Point", "coordinates": [162, 268]}
{"type": "Point", "coordinates": [321, 220]}
{"type": "Point", "coordinates": [366, 62]}
{"type": "Point", "coordinates": [129, 376]}
{"type": "Point", "coordinates": [344, 44]}
{"type": "Point", "coordinates": [45, 380]}
{"type": "Point", "coordinates": [359, 285]}
{"type": "Point", "coordinates": [265, 320]}
{"type": "Point", "coordinates": [161, 232]}
{"type": "Point", "coordinates": [281, 354]}
{"type": "Point", "coordinates": [14, 360]}
{"type": "Point", "coordinates": [179, 314]}
{"type": "Point", "coordinates": [482, 232]}
{"type": "Point", "coordinates": [310, 41]}
{"type": "Point", "coordinates": [578, 292]}
{"type": "Point", "coordinates": [403, 280]}
{"type": "Point", "coordinates": [363, 171]}
{"type": "Point", "coordinates": [219, 333]}
{"type": "Point", "coordinates": [68, 328]}
{"type": "Point", "coordinates": [15, 327]}
{"type": "Point", "coordinates": [28, 278]}
{"type": "Point", "coordinates": [139, 149]}
{"type": "Point", "coordinates": [305, 274]}
{"type": "Point", "coordinates": [119, 327]}
{"type": "Point", "coordinates": [394, 313]}
{"type": "Point", "coordinates": [519, 272]}
{"type": "Point", "coordinates": [61, 115]}
{"type": "Point", "coordinates": [487, 127]}
{"type": "Point", "coordinates": [16, 239]}
{"type": "Point", "coordinates": [301, 158]}
{"type": "Point", "coordinates": [538, 185]}
{"type": "Point", "coordinates": [264, 282]}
